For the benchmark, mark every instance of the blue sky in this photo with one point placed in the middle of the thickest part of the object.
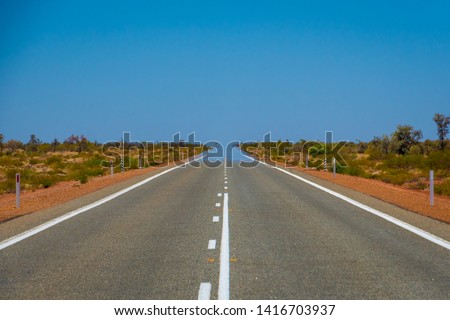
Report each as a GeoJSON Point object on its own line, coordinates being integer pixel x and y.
{"type": "Point", "coordinates": [222, 69]}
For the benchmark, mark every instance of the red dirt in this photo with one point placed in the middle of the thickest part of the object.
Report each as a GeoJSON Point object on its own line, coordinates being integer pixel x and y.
{"type": "Point", "coordinates": [412, 200]}
{"type": "Point", "coordinates": [32, 201]}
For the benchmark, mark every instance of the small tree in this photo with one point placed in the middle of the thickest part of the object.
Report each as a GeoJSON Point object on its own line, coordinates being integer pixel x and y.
{"type": "Point", "coordinates": [33, 143]}
{"type": "Point", "coordinates": [73, 139]}
{"type": "Point", "coordinates": [54, 144]}
{"type": "Point", "coordinates": [82, 144]}
{"type": "Point", "coordinates": [13, 145]}
{"type": "Point", "coordinates": [442, 123]}
{"type": "Point", "coordinates": [404, 138]}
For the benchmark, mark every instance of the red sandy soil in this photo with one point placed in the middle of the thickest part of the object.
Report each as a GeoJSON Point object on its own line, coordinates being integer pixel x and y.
{"type": "Point", "coordinates": [412, 200]}
{"type": "Point", "coordinates": [32, 201]}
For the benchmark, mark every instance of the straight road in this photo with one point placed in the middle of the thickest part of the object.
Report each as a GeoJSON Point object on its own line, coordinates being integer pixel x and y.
{"type": "Point", "coordinates": [235, 233]}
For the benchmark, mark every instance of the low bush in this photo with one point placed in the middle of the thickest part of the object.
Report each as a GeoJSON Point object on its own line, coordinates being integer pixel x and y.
{"type": "Point", "coordinates": [443, 188]}
{"type": "Point", "coordinates": [353, 170]}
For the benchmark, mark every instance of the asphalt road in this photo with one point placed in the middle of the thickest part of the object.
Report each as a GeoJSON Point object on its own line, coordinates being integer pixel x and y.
{"type": "Point", "coordinates": [284, 240]}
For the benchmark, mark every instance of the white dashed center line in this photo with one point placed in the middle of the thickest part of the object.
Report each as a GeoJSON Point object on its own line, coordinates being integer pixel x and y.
{"type": "Point", "coordinates": [204, 292]}
{"type": "Point", "coordinates": [211, 244]}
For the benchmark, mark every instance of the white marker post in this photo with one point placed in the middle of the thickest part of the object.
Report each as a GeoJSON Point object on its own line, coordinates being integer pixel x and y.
{"type": "Point", "coordinates": [17, 190]}
{"type": "Point", "coordinates": [334, 166]}
{"type": "Point", "coordinates": [431, 188]}
{"type": "Point", "coordinates": [307, 160]}
{"type": "Point", "coordinates": [112, 167]}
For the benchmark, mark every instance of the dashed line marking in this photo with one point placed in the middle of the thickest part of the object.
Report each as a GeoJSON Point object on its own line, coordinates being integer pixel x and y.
{"type": "Point", "coordinates": [226, 188]}
{"type": "Point", "coordinates": [226, 181]}
{"type": "Point", "coordinates": [216, 219]}
{"type": "Point", "coordinates": [218, 204]}
{"type": "Point", "coordinates": [219, 194]}
{"type": "Point", "coordinates": [211, 244]}
{"type": "Point", "coordinates": [204, 293]}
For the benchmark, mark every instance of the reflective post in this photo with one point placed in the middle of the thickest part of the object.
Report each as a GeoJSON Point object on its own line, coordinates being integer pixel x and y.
{"type": "Point", "coordinates": [431, 188]}
{"type": "Point", "coordinates": [17, 190]}
{"type": "Point", "coordinates": [334, 167]}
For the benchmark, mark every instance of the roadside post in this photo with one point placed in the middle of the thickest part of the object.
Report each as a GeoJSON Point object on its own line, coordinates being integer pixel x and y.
{"type": "Point", "coordinates": [325, 164]}
{"type": "Point", "coordinates": [122, 164]}
{"type": "Point", "coordinates": [140, 163]}
{"type": "Point", "coordinates": [431, 188]}
{"type": "Point", "coordinates": [17, 190]}
{"type": "Point", "coordinates": [307, 160]}
{"type": "Point", "coordinates": [111, 166]}
{"type": "Point", "coordinates": [334, 166]}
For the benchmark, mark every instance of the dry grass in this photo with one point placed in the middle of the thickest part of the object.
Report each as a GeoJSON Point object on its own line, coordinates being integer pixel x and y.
{"type": "Point", "coordinates": [32, 201]}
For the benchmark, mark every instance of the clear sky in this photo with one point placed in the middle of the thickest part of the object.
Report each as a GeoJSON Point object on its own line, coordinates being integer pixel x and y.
{"type": "Point", "coordinates": [222, 69]}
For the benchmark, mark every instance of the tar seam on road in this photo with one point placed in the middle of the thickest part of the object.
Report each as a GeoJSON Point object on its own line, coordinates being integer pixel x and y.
{"type": "Point", "coordinates": [224, 277]}
{"type": "Point", "coordinates": [417, 231]}
{"type": "Point", "coordinates": [24, 235]}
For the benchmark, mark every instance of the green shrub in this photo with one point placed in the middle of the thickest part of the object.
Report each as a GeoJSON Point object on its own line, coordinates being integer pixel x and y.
{"type": "Point", "coordinates": [10, 161]}
{"type": "Point", "coordinates": [45, 180]}
{"type": "Point", "coordinates": [398, 177]}
{"type": "Point", "coordinates": [443, 188]}
{"type": "Point", "coordinates": [53, 160]}
{"type": "Point", "coordinates": [34, 161]}
{"type": "Point", "coordinates": [437, 160]}
{"type": "Point", "coordinates": [353, 170]}
{"type": "Point", "coordinates": [83, 178]}
{"type": "Point", "coordinates": [7, 186]}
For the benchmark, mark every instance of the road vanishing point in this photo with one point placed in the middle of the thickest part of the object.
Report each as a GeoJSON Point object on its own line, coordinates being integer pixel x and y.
{"type": "Point", "coordinates": [228, 232]}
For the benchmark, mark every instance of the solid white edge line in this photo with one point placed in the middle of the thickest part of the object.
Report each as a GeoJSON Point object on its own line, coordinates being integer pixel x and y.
{"type": "Point", "coordinates": [216, 219]}
{"type": "Point", "coordinates": [224, 275]}
{"type": "Point", "coordinates": [24, 235]}
{"type": "Point", "coordinates": [204, 292]}
{"type": "Point", "coordinates": [212, 244]}
{"type": "Point", "coordinates": [417, 231]}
